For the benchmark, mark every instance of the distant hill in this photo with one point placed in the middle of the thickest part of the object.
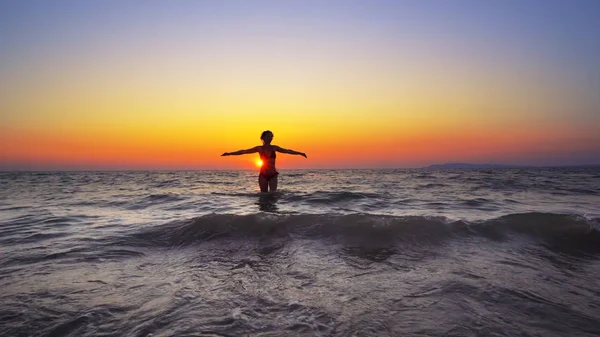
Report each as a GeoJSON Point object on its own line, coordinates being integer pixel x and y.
{"type": "Point", "coordinates": [479, 166]}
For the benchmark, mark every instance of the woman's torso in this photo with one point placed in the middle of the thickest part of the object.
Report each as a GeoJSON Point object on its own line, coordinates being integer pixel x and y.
{"type": "Point", "coordinates": [268, 155]}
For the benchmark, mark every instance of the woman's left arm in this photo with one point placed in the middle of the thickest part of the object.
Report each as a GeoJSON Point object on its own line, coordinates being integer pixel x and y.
{"type": "Point", "coordinates": [282, 150]}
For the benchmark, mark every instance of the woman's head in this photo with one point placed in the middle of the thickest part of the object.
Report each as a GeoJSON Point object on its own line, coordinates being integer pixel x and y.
{"type": "Point", "coordinates": [267, 137]}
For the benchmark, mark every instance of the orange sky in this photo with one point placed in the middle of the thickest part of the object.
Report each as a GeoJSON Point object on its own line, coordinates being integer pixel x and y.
{"type": "Point", "coordinates": [157, 90]}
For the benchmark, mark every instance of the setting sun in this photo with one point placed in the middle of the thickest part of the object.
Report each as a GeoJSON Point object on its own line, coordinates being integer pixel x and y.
{"type": "Point", "coordinates": [259, 162]}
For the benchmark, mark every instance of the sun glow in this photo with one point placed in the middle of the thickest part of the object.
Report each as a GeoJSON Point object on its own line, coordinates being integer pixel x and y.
{"type": "Point", "coordinates": [259, 163]}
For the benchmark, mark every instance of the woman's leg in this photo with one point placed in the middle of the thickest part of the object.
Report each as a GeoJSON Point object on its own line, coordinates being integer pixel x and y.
{"type": "Point", "coordinates": [263, 183]}
{"type": "Point", "coordinates": [273, 184]}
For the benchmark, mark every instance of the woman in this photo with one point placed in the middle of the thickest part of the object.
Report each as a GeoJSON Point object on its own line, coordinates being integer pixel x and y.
{"type": "Point", "coordinates": [267, 179]}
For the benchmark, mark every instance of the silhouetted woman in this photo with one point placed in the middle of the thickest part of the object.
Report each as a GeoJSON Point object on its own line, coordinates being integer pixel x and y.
{"type": "Point", "coordinates": [267, 178]}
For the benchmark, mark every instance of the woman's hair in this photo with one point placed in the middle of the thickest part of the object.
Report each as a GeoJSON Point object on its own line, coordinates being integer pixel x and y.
{"type": "Point", "coordinates": [265, 133]}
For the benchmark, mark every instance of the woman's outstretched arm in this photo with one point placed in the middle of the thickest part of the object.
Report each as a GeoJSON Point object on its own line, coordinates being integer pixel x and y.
{"type": "Point", "coordinates": [237, 153]}
{"type": "Point", "coordinates": [282, 150]}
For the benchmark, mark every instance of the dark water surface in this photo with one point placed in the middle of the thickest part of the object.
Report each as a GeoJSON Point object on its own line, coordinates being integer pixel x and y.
{"type": "Point", "coordinates": [508, 252]}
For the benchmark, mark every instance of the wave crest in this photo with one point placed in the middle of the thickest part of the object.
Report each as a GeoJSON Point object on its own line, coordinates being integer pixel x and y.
{"type": "Point", "coordinates": [370, 230]}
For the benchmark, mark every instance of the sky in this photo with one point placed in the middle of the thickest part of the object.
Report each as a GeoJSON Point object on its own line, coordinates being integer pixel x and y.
{"type": "Point", "coordinates": [354, 84]}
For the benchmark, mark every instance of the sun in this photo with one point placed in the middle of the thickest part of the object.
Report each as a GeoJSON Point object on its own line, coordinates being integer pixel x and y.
{"type": "Point", "coordinates": [259, 162]}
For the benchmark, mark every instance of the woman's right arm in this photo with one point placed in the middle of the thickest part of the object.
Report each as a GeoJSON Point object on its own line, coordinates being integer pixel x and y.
{"type": "Point", "coordinates": [237, 153]}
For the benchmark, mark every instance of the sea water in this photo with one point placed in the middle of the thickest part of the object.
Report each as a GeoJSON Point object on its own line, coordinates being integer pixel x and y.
{"type": "Point", "coordinates": [454, 252]}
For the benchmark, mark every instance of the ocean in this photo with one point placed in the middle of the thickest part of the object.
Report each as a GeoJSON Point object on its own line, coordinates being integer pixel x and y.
{"type": "Point", "coordinates": [407, 252]}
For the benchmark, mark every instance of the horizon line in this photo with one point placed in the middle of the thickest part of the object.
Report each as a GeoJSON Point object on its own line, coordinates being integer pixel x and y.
{"type": "Point", "coordinates": [500, 166]}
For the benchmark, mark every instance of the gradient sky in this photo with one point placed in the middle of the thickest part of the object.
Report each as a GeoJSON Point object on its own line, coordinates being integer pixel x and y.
{"type": "Point", "coordinates": [173, 84]}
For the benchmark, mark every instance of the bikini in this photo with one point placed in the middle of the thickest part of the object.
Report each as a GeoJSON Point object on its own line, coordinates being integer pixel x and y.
{"type": "Point", "coordinates": [268, 176]}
